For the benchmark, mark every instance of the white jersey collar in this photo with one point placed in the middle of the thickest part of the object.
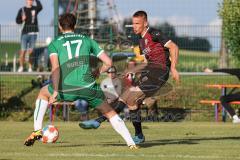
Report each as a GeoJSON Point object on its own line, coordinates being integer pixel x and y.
{"type": "Point", "coordinates": [67, 32]}
{"type": "Point", "coordinates": [145, 32]}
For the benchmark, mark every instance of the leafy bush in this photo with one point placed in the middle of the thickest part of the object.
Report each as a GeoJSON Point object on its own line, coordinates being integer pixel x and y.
{"type": "Point", "coordinates": [229, 11]}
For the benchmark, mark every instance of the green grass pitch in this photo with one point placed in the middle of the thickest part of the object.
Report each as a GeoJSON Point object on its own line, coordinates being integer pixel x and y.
{"type": "Point", "coordinates": [182, 140]}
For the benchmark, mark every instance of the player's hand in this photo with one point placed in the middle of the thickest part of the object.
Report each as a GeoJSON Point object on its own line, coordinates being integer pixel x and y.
{"type": "Point", "coordinates": [175, 75]}
{"type": "Point", "coordinates": [24, 18]}
{"type": "Point", "coordinates": [53, 98]}
{"type": "Point", "coordinates": [96, 73]}
{"type": "Point", "coordinates": [128, 78]}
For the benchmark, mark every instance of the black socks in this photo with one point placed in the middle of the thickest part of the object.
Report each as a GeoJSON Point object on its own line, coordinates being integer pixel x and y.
{"type": "Point", "coordinates": [135, 116]}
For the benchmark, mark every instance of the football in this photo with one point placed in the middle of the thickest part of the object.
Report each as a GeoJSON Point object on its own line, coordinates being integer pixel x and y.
{"type": "Point", "coordinates": [50, 134]}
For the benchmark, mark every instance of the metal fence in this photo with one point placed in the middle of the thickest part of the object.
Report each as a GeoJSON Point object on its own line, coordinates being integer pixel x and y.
{"type": "Point", "coordinates": [20, 89]}
{"type": "Point", "coordinates": [206, 38]}
{"type": "Point", "coordinates": [12, 33]}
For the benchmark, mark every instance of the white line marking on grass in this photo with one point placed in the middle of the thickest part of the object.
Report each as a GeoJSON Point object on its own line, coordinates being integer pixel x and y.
{"type": "Point", "coordinates": [120, 155]}
{"type": "Point", "coordinates": [141, 155]}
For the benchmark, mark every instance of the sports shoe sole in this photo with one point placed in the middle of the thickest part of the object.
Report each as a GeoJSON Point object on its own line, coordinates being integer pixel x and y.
{"type": "Point", "coordinates": [87, 127]}
{"type": "Point", "coordinates": [30, 142]}
{"type": "Point", "coordinates": [134, 147]}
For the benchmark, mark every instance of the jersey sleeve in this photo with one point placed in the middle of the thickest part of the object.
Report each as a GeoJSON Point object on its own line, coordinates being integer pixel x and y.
{"type": "Point", "coordinates": [38, 6]}
{"type": "Point", "coordinates": [19, 16]}
{"type": "Point", "coordinates": [158, 36]}
{"type": "Point", "coordinates": [52, 49]}
{"type": "Point", "coordinates": [95, 48]}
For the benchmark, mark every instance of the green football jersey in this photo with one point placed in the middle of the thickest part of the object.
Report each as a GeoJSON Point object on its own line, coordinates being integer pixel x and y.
{"type": "Point", "coordinates": [73, 51]}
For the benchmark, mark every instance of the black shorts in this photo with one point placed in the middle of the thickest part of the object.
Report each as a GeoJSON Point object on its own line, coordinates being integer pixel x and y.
{"type": "Point", "coordinates": [152, 79]}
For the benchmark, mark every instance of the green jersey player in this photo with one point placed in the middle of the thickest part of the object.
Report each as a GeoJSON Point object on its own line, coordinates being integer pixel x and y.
{"type": "Point", "coordinates": [72, 78]}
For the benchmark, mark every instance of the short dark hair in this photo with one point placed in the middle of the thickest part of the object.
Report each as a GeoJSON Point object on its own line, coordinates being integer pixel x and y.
{"type": "Point", "coordinates": [67, 21]}
{"type": "Point", "coordinates": [140, 14]}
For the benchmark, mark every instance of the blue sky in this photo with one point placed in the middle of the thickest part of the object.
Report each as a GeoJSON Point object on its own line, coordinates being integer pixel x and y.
{"type": "Point", "coordinates": [185, 12]}
{"type": "Point", "coordinates": [174, 11]}
{"type": "Point", "coordinates": [9, 9]}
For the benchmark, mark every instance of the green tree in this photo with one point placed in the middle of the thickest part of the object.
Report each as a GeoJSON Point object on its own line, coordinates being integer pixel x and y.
{"type": "Point", "coordinates": [229, 11]}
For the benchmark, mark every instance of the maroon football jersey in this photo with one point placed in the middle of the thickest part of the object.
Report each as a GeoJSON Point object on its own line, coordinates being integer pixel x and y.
{"type": "Point", "coordinates": [152, 46]}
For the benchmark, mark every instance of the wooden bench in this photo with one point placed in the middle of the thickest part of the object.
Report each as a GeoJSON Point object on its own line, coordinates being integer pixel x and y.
{"type": "Point", "coordinates": [65, 110]}
{"type": "Point", "coordinates": [217, 103]}
{"type": "Point", "coordinates": [218, 107]}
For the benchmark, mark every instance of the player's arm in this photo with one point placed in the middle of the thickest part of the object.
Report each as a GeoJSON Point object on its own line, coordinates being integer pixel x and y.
{"type": "Point", "coordinates": [232, 71]}
{"type": "Point", "coordinates": [19, 17]}
{"type": "Point", "coordinates": [55, 72]}
{"type": "Point", "coordinates": [174, 52]}
{"type": "Point", "coordinates": [55, 76]}
{"type": "Point", "coordinates": [107, 62]}
{"type": "Point", "coordinates": [173, 49]}
{"type": "Point", "coordinates": [99, 52]}
{"type": "Point", "coordinates": [38, 6]}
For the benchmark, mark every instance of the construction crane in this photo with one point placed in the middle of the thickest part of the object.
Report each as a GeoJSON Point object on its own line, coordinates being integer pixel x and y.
{"type": "Point", "coordinates": [85, 11]}
{"type": "Point", "coordinates": [88, 14]}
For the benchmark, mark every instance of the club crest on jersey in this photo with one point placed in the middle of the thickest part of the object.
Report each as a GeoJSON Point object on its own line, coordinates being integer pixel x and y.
{"type": "Point", "coordinates": [157, 34]}
{"type": "Point", "coordinates": [146, 50]}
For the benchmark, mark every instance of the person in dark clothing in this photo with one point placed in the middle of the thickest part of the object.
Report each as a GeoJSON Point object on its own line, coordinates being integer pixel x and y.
{"type": "Point", "coordinates": [226, 99]}
{"type": "Point", "coordinates": [225, 103]}
{"type": "Point", "coordinates": [27, 16]}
